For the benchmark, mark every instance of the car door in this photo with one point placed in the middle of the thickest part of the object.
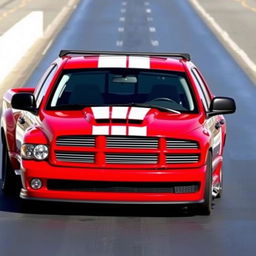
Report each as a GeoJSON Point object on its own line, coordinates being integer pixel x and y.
{"type": "Point", "coordinates": [214, 123]}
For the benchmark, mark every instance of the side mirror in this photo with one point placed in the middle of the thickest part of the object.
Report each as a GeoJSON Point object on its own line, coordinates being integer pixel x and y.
{"type": "Point", "coordinates": [221, 106]}
{"type": "Point", "coordinates": [24, 101]}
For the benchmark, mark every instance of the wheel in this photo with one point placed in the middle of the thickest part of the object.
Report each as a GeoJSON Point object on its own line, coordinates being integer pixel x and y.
{"type": "Point", "coordinates": [206, 207]}
{"type": "Point", "coordinates": [10, 182]}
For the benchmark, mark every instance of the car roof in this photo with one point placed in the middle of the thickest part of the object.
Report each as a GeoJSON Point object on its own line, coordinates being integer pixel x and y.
{"type": "Point", "coordinates": [124, 61]}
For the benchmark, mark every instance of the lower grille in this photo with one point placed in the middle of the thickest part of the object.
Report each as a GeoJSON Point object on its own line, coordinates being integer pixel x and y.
{"type": "Point", "coordinates": [125, 187]}
{"type": "Point", "coordinates": [182, 158]}
{"type": "Point", "coordinates": [75, 157]}
{"type": "Point", "coordinates": [113, 158]}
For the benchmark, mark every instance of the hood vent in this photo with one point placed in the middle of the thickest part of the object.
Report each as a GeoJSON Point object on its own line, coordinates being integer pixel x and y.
{"type": "Point", "coordinates": [118, 121]}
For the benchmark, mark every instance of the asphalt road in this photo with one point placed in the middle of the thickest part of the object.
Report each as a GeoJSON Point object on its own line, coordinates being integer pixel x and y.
{"type": "Point", "coordinates": [70, 229]}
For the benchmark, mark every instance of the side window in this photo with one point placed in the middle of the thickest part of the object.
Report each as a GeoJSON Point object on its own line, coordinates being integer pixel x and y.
{"type": "Point", "coordinates": [45, 83]}
{"type": "Point", "coordinates": [202, 90]}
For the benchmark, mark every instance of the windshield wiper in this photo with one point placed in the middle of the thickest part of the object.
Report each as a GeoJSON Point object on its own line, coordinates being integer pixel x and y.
{"type": "Point", "coordinates": [154, 106]}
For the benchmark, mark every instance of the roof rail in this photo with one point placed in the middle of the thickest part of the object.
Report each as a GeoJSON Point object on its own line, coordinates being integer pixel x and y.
{"type": "Point", "coordinates": [185, 56]}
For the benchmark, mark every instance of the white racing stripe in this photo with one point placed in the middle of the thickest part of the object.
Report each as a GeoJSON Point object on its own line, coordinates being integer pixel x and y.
{"type": "Point", "coordinates": [101, 112]}
{"type": "Point", "coordinates": [137, 131]}
{"type": "Point", "coordinates": [100, 130]}
{"type": "Point", "coordinates": [138, 113]}
{"type": "Point", "coordinates": [139, 62]}
{"type": "Point", "coordinates": [112, 62]}
{"type": "Point", "coordinates": [119, 112]}
{"type": "Point", "coordinates": [118, 130]}
{"type": "Point", "coordinates": [217, 140]}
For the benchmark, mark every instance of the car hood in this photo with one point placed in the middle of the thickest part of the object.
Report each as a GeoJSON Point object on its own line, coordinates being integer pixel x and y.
{"type": "Point", "coordinates": [126, 121]}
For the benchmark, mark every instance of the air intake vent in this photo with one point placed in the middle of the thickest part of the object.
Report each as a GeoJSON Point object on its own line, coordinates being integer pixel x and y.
{"type": "Point", "coordinates": [76, 141]}
{"type": "Point", "coordinates": [75, 157]}
{"type": "Point", "coordinates": [118, 121]}
{"type": "Point", "coordinates": [132, 142]}
{"type": "Point", "coordinates": [113, 158]}
{"type": "Point", "coordinates": [181, 144]}
{"type": "Point", "coordinates": [182, 158]}
{"type": "Point", "coordinates": [125, 187]}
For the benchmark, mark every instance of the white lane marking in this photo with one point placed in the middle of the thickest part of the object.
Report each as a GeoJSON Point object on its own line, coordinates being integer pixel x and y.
{"type": "Point", "coordinates": [118, 130]}
{"type": "Point", "coordinates": [139, 62]}
{"type": "Point", "coordinates": [148, 10]}
{"type": "Point", "coordinates": [119, 112]}
{"type": "Point", "coordinates": [47, 47]}
{"type": "Point", "coordinates": [112, 62]}
{"type": "Point", "coordinates": [149, 19]}
{"type": "Point", "coordinates": [146, 3]}
{"type": "Point", "coordinates": [100, 130]}
{"type": "Point", "coordinates": [138, 113]}
{"type": "Point", "coordinates": [121, 29]}
{"type": "Point", "coordinates": [124, 3]}
{"type": "Point", "coordinates": [122, 19]}
{"type": "Point", "coordinates": [119, 43]}
{"type": "Point", "coordinates": [152, 29]}
{"type": "Point", "coordinates": [137, 131]}
{"type": "Point", "coordinates": [101, 112]}
{"type": "Point", "coordinates": [155, 43]}
{"type": "Point", "coordinates": [225, 36]}
{"type": "Point", "coordinates": [123, 10]}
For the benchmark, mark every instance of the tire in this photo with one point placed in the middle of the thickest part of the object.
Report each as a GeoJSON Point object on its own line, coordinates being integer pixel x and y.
{"type": "Point", "coordinates": [10, 182]}
{"type": "Point", "coordinates": [206, 207]}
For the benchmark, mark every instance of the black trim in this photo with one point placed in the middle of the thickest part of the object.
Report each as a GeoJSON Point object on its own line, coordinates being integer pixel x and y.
{"type": "Point", "coordinates": [123, 187]}
{"type": "Point", "coordinates": [24, 196]}
{"type": "Point", "coordinates": [184, 56]}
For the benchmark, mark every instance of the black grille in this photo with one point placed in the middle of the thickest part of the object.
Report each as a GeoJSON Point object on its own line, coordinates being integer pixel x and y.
{"type": "Point", "coordinates": [182, 158]}
{"type": "Point", "coordinates": [76, 141]}
{"type": "Point", "coordinates": [128, 187]}
{"type": "Point", "coordinates": [181, 144]}
{"type": "Point", "coordinates": [132, 142]}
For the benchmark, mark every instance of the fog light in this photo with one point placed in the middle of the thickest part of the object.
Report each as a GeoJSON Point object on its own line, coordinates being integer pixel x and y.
{"type": "Point", "coordinates": [36, 183]}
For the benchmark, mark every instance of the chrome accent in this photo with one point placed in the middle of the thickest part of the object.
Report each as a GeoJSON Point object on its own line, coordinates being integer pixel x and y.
{"type": "Point", "coordinates": [125, 158]}
{"type": "Point", "coordinates": [182, 158]}
{"type": "Point", "coordinates": [76, 141]}
{"type": "Point", "coordinates": [75, 157]}
{"type": "Point", "coordinates": [131, 142]}
{"type": "Point", "coordinates": [181, 144]}
{"type": "Point", "coordinates": [216, 190]}
{"type": "Point", "coordinates": [18, 172]}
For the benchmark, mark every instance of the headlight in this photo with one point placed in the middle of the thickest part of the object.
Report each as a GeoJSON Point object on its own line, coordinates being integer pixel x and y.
{"type": "Point", "coordinates": [34, 151]}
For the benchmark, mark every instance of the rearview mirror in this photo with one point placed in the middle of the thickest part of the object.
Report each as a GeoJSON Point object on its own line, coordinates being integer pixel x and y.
{"type": "Point", "coordinates": [24, 101]}
{"type": "Point", "coordinates": [221, 106]}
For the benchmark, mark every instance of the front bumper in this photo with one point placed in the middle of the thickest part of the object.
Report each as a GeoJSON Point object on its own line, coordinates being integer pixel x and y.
{"type": "Point", "coordinates": [46, 172]}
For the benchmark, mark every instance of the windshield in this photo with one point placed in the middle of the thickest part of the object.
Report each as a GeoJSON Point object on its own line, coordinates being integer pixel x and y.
{"type": "Point", "coordinates": [77, 89]}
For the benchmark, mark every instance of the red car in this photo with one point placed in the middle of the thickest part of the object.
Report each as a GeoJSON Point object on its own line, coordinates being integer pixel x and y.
{"type": "Point", "coordinates": [116, 127]}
